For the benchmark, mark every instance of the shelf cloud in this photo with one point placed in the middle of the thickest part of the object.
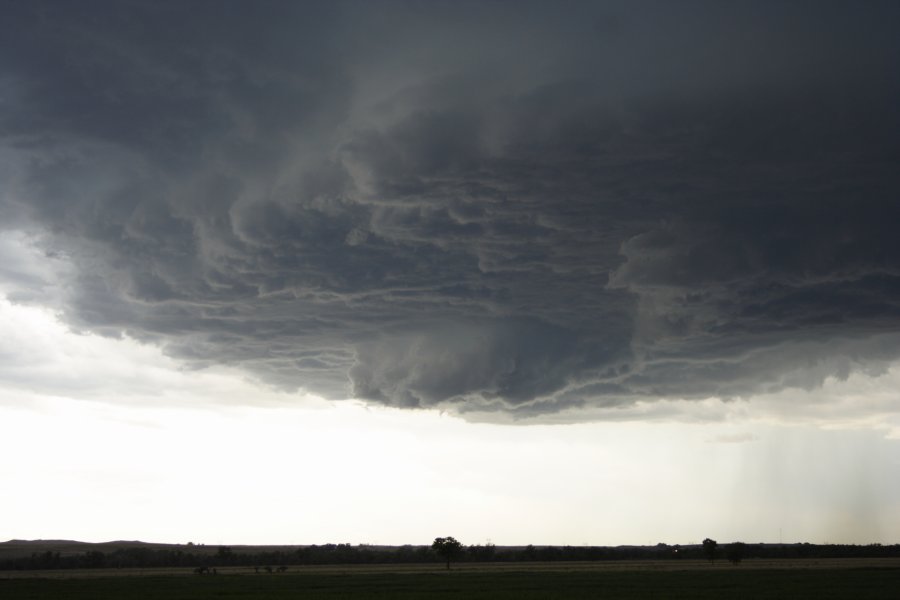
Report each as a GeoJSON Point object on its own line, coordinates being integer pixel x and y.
{"type": "Point", "coordinates": [473, 207]}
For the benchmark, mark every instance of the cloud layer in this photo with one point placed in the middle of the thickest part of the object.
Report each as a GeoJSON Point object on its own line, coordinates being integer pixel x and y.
{"type": "Point", "coordinates": [463, 205]}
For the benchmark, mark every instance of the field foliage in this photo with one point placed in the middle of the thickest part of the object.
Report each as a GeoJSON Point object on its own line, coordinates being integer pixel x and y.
{"type": "Point", "coordinates": [524, 583]}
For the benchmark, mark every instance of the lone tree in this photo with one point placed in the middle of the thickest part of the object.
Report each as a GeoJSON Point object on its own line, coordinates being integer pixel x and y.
{"type": "Point", "coordinates": [446, 547]}
{"type": "Point", "coordinates": [709, 549]}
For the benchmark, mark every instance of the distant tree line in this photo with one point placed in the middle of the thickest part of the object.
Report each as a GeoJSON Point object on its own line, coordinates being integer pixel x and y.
{"type": "Point", "coordinates": [190, 556]}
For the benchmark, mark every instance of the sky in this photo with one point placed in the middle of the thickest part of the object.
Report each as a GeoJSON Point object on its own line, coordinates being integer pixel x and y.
{"type": "Point", "coordinates": [376, 272]}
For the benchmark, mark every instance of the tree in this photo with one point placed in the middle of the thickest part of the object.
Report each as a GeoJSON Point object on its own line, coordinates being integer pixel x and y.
{"type": "Point", "coordinates": [709, 549]}
{"type": "Point", "coordinates": [225, 554]}
{"type": "Point", "coordinates": [735, 552]}
{"type": "Point", "coordinates": [446, 547]}
{"type": "Point", "coordinates": [481, 553]}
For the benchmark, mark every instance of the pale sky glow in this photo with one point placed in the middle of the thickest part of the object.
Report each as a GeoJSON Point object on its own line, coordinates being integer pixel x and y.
{"type": "Point", "coordinates": [599, 272]}
{"type": "Point", "coordinates": [179, 460]}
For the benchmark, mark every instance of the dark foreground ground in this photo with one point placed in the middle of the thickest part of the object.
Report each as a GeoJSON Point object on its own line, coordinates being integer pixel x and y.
{"type": "Point", "coordinates": [800, 579]}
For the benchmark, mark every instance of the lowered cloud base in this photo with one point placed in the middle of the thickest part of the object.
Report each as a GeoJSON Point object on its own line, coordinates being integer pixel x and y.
{"type": "Point", "coordinates": [533, 218]}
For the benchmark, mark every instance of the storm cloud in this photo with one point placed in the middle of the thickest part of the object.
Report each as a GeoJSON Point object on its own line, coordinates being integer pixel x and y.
{"type": "Point", "coordinates": [472, 206]}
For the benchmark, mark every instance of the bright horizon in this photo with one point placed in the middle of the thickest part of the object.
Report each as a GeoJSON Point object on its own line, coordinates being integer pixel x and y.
{"type": "Point", "coordinates": [193, 464]}
{"type": "Point", "coordinates": [600, 273]}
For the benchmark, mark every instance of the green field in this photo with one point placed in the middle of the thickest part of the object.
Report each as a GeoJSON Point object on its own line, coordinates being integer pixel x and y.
{"type": "Point", "coordinates": [521, 582]}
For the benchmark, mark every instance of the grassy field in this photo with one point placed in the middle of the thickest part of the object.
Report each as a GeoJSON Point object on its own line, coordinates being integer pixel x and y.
{"type": "Point", "coordinates": [810, 579]}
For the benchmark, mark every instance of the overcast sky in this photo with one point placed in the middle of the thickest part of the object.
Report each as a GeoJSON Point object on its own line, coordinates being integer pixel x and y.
{"type": "Point", "coordinates": [539, 272]}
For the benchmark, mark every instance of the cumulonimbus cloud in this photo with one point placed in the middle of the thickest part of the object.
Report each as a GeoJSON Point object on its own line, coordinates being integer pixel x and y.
{"type": "Point", "coordinates": [519, 215]}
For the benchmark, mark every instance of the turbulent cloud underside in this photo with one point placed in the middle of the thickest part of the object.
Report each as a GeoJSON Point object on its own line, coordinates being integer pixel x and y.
{"type": "Point", "coordinates": [465, 205]}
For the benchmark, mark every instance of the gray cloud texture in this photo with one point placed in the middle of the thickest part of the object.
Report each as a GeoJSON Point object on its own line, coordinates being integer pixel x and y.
{"type": "Point", "coordinates": [478, 206]}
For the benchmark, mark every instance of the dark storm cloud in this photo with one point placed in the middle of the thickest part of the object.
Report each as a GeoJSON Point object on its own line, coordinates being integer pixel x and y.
{"type": "Point", "coordinates": [499, 209]}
